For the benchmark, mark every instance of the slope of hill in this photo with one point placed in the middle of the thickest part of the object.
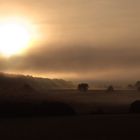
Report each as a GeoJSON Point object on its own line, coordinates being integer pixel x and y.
{"type": "Point", "coordinates": [10, 82]}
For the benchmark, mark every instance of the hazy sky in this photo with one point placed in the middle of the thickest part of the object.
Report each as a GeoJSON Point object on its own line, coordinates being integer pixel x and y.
{"type": "Point", "coordinates": [80, 39]}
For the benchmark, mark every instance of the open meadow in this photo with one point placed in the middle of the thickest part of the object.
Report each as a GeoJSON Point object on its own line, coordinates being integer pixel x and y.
{"type": "Point", "coordinates": [91, 115]}
{"type": "Point", "coordinates": [92, 101]}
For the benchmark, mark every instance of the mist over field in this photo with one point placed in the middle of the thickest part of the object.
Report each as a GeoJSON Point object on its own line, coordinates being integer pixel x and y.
{"type": "Point", "coordinates": [31, 92]}
{"type": "Point", "coordinates": [70, 69]}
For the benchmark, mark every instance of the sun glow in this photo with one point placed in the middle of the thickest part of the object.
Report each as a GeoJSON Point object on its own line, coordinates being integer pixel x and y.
{"type": "Point", "coordinates": [15, 36]}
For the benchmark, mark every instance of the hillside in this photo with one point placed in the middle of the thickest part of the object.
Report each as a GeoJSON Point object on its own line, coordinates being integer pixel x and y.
{"type": "Point", "coordinates": [10, 82]}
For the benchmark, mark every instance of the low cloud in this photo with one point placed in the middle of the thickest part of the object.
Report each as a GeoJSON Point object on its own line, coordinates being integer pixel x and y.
{"type": "Point", "coordinates": [83, 61]}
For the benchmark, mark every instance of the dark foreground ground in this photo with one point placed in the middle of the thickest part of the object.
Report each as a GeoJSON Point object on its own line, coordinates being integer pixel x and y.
{"type": "Point", "coordinates": [92, 127]}
{"type": "Point", "coordinates": [69, 115]}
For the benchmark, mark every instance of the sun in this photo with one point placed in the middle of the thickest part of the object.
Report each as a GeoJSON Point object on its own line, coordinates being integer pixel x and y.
{"type": "Point", "coordinates": [15, 36]}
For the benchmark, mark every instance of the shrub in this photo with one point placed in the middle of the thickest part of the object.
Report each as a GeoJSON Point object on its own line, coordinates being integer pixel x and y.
{"type": "Point", "coordinates": [135, 107]}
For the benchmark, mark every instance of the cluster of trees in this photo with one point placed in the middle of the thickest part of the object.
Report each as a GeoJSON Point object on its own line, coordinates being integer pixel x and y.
{"type": "Point", "coordinates": [84, 87]}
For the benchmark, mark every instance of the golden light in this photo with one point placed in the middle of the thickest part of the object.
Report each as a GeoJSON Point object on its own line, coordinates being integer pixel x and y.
{"type": "Point", "coordinates": [15, 36]}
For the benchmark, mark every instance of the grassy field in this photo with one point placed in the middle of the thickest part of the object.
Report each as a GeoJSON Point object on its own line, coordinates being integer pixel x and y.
{"type": "Point", "coordinates": [114, 123]}
{"type": "Point", "coordinates": [93, 100]}
{"type": "Point", "coordinates": [93, 127]}
{"type": "Point", "coordinates": [90, 102]}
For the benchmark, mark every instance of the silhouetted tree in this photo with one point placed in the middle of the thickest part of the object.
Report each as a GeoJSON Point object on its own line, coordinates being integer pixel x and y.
{"type": "Point", "coordinates": [83, 87]}
{"type": "Point", "coordinates": [130, 86]}
{"type": "Point", "coordinates": [137, 85]}
{"type": "Point", "coordinates": [135, 107]}
{"type": "Point", "coordinates": [110, 88]}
